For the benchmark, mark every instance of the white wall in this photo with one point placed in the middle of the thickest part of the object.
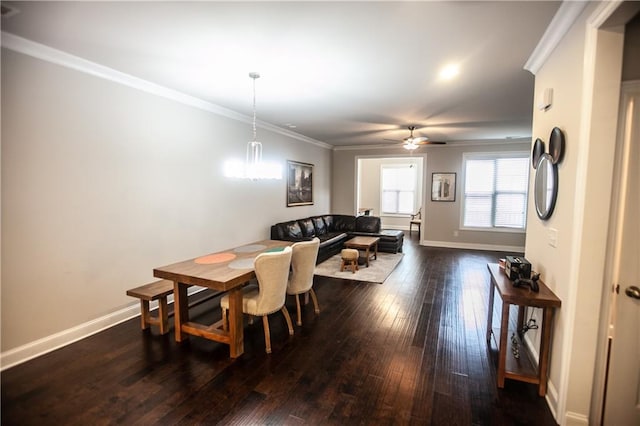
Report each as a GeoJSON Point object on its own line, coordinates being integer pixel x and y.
{"type": "Point", "coordinates": [439, 219]}
{"type": "Point", "coordinates": [102, 182]}
{"type": "Point", "coordinates": [584, 71]}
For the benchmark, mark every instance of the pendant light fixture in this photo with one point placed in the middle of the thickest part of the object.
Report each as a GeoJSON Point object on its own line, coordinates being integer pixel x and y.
{"type": "Point", "coordinates": [254, 148]}
{"type": "Point", "coordinates": [253, 168]}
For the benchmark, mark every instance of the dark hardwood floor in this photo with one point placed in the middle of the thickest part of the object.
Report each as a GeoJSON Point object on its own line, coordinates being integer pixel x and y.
{"type": "Point", "coordinates": [409, 351]}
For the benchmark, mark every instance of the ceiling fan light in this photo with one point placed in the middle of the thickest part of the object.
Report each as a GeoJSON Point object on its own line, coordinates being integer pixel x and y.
{"type": "Point", "coordinates": [410, 146]}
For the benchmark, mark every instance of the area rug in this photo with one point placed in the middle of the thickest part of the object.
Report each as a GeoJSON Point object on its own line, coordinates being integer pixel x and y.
{"type": "Point", "coordinates": [377, 272]}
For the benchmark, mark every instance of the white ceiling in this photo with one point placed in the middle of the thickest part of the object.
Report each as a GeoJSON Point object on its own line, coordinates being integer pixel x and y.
{"type": "Point", "coordinates": [344, 73]}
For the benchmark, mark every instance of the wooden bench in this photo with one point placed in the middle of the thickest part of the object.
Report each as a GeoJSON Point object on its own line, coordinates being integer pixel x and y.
{"type": "Point", "coordinates": [159, 291]}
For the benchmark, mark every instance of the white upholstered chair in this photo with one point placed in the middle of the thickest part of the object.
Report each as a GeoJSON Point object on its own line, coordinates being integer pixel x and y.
{"type": "Point", "coordinates": [272, 271]}
{"type": "Point", "coordinates": [303, 264]}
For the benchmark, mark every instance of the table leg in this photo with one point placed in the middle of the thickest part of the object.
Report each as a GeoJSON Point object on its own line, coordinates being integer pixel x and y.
{"type": "Point", "coordinates": [236, 332]}
{"type": "Point", "coordinates": [366, 255]}
{"type": "Point", "coordinates": [545, 345]}
{"type": "Point", "coordinates": [492, 292]}
{"type": "Point", "coordinates": [375, 254]}
{"type": "Point", "coordinates": [181, 309]}
{"type": "Point", "coordinates": [502, 353]}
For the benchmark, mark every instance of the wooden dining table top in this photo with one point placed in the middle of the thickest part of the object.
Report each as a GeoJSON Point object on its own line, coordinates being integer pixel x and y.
{"type": "Point", "coordinates": [222, 270]}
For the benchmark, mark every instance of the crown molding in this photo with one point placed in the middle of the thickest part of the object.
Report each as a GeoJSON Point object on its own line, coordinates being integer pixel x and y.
{"type": "Point", "coordinates": [560, 24]}
{"type": "Point", "coordinates": [59, 57]}
{"type": "Point", "coordinates": [478, 142]}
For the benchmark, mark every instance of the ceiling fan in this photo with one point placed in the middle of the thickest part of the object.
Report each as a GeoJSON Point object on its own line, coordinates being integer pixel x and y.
{"type": "Point", "coordinates": [413, 142]}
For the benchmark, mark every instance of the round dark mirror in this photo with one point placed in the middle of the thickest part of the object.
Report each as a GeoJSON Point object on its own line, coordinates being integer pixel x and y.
{"type": "Point", "coordinates": [546, 186]}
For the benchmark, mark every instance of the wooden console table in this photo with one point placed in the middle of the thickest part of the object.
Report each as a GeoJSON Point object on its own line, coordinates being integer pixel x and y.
{"type": "Point", "coordinates": [521, 368]}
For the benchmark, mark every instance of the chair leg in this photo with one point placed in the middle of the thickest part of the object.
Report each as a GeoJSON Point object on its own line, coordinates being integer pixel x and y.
{"type": "Point", "coordinates": [288, 319]}
{"type": "Point", "coordinates": [267, 334]}
{"type": "Point", "coordinates": [315, 301]}
{"type": "Point", "coordinates": [299, 310]}
{"type": "Point", "coordinates": [342, 265]}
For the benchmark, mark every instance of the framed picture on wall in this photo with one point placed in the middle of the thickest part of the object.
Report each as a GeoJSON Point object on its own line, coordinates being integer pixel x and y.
{"type": "Point", "coordinates": [299, 183]}
{"type": "Point", "coordinates": [443, 187]}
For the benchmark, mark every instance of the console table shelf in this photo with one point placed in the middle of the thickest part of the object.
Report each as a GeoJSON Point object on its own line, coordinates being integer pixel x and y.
{"type": "Point", "coordinates": [522, 368]}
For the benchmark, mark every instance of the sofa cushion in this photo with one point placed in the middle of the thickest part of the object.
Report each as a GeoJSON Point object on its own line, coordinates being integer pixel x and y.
{"type": "Point", "coordinates": [344, 223]}
{"type": "Point", "coordinates": [307, 227]}
{"type": "Point", "coordinates": [391, 234]}
{"type": "Point", "coordinates": [318, 223]}
{"type": "Point", "coordinates": [368, 224]}
{"type": "Point", "coordinates": [328, 222]}
{"type": "Point", "coordinates": [292, 230]}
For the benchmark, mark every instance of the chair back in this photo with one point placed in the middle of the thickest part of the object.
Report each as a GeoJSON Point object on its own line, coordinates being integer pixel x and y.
{"type": "Point", "coordinates": [272, 271]}
{"type": "Point", "coordinates": [303, 264]}
{"type": "Point", "coordinates": [417, 215]}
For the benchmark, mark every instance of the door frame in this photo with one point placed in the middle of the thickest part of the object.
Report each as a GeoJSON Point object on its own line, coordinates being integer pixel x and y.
{"type": "Point", "coordinates": [357, 159]}
{"type": "Point", "coordinates": [609, 294]}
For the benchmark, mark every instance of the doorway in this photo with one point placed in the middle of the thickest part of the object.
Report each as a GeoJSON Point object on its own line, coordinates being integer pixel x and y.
{"type": "Point", "coordinates": [394, 208]}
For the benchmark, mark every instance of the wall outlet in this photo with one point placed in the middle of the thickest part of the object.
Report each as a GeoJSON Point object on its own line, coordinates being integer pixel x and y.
{"type": "Point", "coordinates": [456, 233]}
{"type": "Point", "coordinates": [553, 237]}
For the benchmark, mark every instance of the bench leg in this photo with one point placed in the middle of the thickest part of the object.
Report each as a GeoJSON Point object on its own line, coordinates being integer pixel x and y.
{"type": "Point", "coordinates": [144, 314]}
{"type": "Point", "coordinates": [163, 315]}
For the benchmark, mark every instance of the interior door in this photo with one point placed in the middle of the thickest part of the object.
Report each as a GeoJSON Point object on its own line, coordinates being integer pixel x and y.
{"type": "Point", "coordinates": [622, 404]}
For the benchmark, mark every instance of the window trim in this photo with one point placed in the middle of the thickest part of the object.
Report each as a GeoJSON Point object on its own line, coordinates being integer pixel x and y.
{"type": "Point", "coordinates": [491, 156]}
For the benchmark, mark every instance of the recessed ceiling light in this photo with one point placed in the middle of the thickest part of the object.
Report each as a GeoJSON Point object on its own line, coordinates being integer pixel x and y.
{"type": "Point", "coordinates": [289, 125]}
{"type": "Point", "coordinates": [449, 72]}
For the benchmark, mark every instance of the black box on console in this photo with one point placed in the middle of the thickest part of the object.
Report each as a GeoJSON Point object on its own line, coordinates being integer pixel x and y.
{"type": "Point", "coordinates": [517, 267]}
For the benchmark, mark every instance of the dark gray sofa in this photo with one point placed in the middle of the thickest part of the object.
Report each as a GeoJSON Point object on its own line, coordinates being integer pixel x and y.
{"type": "Point", "coordinates": [334, 229]}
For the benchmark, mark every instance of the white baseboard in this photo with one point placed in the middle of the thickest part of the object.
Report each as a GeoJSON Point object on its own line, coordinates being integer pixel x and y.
{"type": "Point", "coordinates": [575, 419]}
{"type": "Point", "coordinates": [532, 349]}
{"type": "Point", "coordinates": [472, 246]}
{"type": "Point", "coordinates": [552, 400]}
{"type": "Point", "coordinates": [55, 341]}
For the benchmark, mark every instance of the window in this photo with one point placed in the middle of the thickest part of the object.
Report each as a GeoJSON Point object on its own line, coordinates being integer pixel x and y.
{"type": "Point", "coordinates": [398, 189]}
{"type": "Point", "coordinates": [495, 191]}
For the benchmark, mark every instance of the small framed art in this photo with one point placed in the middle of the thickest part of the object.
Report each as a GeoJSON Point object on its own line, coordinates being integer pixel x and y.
{"type": "Point", "coordinates": [443, 187]}
{"type": "Point", "coordinates": [299, 183]}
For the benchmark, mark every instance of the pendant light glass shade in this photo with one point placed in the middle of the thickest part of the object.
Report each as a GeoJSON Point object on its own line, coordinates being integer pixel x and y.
{"type": "Point", "coordinates": [254, 153]}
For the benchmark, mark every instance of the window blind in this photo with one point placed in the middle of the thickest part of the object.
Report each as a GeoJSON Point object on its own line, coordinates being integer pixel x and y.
{"type": "Point", "coordinates": [398, 189]}
{"type": "Point", "coordinates": [495, 191]}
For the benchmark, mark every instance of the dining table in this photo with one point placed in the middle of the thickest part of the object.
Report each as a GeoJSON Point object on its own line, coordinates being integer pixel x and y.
{"type": "Point", "coordinates": [227, 271]}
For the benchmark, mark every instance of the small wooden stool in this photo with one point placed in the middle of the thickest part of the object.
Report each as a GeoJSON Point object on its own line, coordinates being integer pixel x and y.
{"type": "Point", "coordinates": [349, 259]}
{"type": "Point", "coordinates": [159, 291]}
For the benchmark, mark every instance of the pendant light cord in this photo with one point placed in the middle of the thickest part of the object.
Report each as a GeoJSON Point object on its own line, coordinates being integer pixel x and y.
{"type": "Point", "coordinates": [254, 76]}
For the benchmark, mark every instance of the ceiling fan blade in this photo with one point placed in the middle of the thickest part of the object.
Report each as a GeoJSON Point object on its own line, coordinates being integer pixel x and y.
{"type": "Point", "coordinates": [428, 142]}
{"type": "Point", "coordinates": [393, 140]}
{"type": "Point", "coordinates": [420, 139]}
